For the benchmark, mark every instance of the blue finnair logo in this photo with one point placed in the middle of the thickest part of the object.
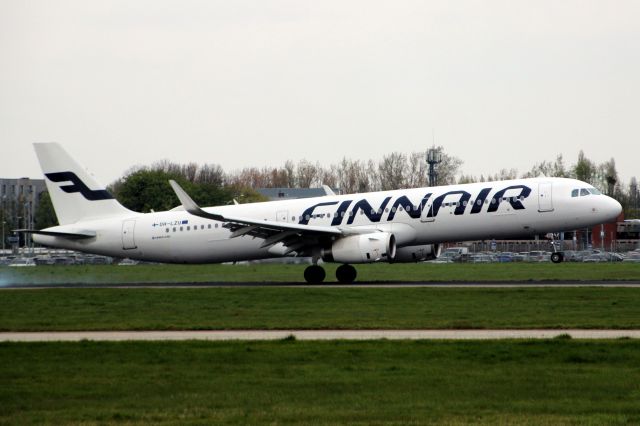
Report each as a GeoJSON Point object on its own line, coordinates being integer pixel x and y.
{"type": "Point", "coordinates": [464, 202]}
{"type": "Point", "coordinates": [78, 185]}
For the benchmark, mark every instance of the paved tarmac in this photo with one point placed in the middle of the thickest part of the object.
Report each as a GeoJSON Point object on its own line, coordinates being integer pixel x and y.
{"type": "Point", "coordinates": [377, 284]}
{"type": "Point", "coordinates": [112, 336]}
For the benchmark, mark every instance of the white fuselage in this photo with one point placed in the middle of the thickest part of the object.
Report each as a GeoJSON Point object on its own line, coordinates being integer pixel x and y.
{"type": "Point", "coordinates": [449, 213]}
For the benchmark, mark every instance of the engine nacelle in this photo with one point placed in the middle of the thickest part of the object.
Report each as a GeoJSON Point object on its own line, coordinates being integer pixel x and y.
{"type": "Point", "coordinates": [417, 253]}
{"type": "Point", "coordinates": [364, 248]}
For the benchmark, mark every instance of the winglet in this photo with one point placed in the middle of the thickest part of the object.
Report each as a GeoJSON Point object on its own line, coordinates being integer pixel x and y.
{"type": "Point", "coordinates": [328, 190]}
{"type": "Point", "coordinates": [190, 205]}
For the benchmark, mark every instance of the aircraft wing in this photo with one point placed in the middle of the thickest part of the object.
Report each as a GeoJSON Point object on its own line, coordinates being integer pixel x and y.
{"type": "Point", "coordinates": [294, 236]}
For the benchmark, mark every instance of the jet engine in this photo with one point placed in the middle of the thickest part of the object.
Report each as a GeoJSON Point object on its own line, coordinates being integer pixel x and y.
{"type": "Point", "coordinates": [417, 253]}
{"type": "Point", "coordinates": [363, 248]}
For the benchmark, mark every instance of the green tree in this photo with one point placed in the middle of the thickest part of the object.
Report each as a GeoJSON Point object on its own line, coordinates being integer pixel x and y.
{"type": "Point", "coordinates": [144, 190]}
{"type": "Point", "coordinates": [45, 216]}
{"type": "Point", "coordinates": [584, 169]}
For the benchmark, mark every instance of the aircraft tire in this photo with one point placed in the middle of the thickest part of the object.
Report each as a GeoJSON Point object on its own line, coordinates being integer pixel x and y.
{"type": "Point", "coordinates": [346, 274]}
{"type": "Point", "coordinates": [557, 257]}
{"type": "Point", "coordinates": [314, 274]}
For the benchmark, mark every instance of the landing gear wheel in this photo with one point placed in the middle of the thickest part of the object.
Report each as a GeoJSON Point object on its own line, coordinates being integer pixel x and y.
{"type": "Point", "coordinates": [314, 274]}
{"type": "Point", "coordinates": [557, 257]}
{"type": "Point", "coordinates": [346, 274]}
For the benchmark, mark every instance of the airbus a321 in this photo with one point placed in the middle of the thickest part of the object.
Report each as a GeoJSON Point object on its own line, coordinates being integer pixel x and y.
{"type": "Point", "coordinates": [405, 225]}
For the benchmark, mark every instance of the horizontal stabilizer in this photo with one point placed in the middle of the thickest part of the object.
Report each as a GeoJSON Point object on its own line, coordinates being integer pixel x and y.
{"type": "Point", "coordinates": [70, 235]}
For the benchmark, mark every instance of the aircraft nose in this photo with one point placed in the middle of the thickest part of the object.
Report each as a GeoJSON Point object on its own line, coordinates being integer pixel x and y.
{"type": "Point", "coordinates": [612, 209]}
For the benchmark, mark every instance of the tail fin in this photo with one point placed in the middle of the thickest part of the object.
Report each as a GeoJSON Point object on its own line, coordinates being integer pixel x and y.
{"type": "Point", "coordinates": [74, 193]}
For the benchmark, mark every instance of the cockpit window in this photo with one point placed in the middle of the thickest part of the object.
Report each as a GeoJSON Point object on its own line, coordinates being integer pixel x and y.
{"type": "Point", "coordinates": [584, 192]}
{"type": "Point", "coordinates": [575, 192]}
{"type": "Point", "coordinates": [595, 191]}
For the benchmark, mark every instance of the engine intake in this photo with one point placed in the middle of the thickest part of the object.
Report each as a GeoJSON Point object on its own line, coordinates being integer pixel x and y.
{"type": "Point", "coordinates": [365, 248]}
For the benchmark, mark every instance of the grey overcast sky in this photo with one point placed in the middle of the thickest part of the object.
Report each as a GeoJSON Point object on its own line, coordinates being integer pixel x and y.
{"type": "Point", "coordinates": [505, 84]}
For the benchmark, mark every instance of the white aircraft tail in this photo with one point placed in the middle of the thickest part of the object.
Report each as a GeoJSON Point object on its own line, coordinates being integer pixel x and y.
{"type": "Point", "coordinates": [75, 194]}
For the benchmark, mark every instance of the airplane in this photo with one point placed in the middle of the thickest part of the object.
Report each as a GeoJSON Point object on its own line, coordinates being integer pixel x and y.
{"type": "Point", "coordinates": [404, 225]}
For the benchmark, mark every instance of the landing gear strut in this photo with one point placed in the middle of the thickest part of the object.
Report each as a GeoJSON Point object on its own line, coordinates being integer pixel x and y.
{"type": "Point", "coordinates": [314, 274]}
{"type": "Point", "coordinates": [346, 274]}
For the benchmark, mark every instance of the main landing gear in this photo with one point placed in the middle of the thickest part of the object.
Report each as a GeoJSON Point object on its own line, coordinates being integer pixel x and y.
{"type": "Point", "coordinates": [345, 274]}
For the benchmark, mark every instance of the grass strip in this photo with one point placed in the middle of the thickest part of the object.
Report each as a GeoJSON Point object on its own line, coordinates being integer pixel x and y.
{"type": "Point", "coordinates": [318, 308]}
{"type": "Point", "coordinates": [413, 272]}
{"type": "Point", "coordinates": [373, 382]}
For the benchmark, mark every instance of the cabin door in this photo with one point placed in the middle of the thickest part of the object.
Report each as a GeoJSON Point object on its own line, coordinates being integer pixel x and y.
{"type": "Point", "coordinates": [128, 240]}
{"type": "Point", "coordinates": [545, 197]}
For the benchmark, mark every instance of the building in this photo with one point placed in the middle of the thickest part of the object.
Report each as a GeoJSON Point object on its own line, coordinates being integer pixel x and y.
{"type": "Point", "coordinates": [275, 194]}
{"type": "Point", "coordinates": [19, 199]}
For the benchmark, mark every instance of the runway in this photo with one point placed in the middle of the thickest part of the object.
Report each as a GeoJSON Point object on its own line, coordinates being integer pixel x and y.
{"type": "Point", "coordinates": [375, 284]}
{"type": "Point", "coordinates": [256, 335]}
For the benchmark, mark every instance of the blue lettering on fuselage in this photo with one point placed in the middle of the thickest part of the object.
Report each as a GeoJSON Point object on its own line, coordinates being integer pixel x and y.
{"type": "Point", "coordinates": [514, 200]}
{"type": "Point", "coordinates": [308, 213]}
{"type": "Point", "coordinates": [461, 204]}
{"type": "Point", "coordinates": [408, 207]}
{"type": "Point", "coordinates": [403, 203]}
{"type": "Point", "coordinates": [367, 210]}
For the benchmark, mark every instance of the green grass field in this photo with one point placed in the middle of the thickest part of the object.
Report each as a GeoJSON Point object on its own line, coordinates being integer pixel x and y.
{"type": "Point", "coordinates": [112, 274]}
{"type": "Point", "coordinates": [375, 382]}
{"type": "Point", "coordinates": [318, 308]}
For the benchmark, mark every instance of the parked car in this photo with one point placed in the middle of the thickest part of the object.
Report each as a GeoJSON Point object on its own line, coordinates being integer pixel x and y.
{"type": "Point", "coordinates": [539, 256]}
{"type": "Point", "coordinates": [504, 257]}
{"type": "Point", "coordinates": [22, 261]}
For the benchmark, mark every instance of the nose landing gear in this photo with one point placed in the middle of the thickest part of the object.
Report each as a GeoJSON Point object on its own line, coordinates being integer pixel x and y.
{"type": "Point", "coordinates": [556, 256]}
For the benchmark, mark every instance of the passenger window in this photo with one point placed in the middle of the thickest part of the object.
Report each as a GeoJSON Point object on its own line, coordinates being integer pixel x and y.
{"type": "Point", "coordinates": [201, 226]}
{"type": "Point", "coordinates": [188, 228]}
{"type": "Point", "coordinates": [209, 226]}
{"type": "Point", "coordinates": [174, 229]}
{"type": "Point", "coordinates": [584, 192]}
{"type": "Point", "coordinates": [167, 229]}
{"type": "Point", "coordinates": [181, 229]}
{"type": "Point", "coordinates": [575, 192]}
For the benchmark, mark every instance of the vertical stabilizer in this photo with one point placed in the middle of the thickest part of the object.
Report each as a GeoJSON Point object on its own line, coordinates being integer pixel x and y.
{"type": "Point", "coordinates": [75, 194]}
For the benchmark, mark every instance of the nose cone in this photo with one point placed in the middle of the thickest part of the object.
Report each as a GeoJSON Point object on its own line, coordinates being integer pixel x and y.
{"type": "Point", "coordinates": [611, 210]}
